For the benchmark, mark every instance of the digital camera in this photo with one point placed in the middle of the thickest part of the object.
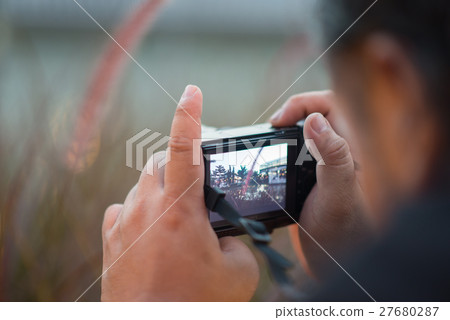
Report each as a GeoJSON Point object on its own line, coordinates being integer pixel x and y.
{"type": "Point", "coordinates": [265, 172]}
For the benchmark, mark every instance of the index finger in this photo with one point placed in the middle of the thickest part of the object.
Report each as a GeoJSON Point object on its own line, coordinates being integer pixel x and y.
{"type": "Point", "coordinates": [299, 106]}
{"type": "Point", "coordinates": [181, 170]}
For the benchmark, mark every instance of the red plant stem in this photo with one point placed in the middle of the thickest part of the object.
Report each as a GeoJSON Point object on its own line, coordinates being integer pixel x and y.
{"type": "Point", "coordinates": [109, 70]}
{"type": "Point", "coordinates": [249, 174]}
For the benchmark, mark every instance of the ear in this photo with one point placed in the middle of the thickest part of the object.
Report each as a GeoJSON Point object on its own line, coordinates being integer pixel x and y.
{"type": "Point", "coordinates": [394, 78]}
{"type": "Point", "coordinates": [402, 123]}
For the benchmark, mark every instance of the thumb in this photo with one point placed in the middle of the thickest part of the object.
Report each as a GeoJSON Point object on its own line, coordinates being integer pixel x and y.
{"type": "Point", "coordinates": [335, 170]}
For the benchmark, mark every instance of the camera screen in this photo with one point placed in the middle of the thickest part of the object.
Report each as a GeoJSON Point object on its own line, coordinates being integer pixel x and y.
{"type": "Point", "coordinates": [254, 180]}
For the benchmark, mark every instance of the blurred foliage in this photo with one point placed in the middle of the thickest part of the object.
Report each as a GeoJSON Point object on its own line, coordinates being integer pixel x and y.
{"type": "Point", "coordinates": [50, 215]}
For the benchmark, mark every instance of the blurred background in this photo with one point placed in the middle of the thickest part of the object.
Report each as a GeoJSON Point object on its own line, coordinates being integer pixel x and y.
{"type": "Point", "coordinates": [70, 98]}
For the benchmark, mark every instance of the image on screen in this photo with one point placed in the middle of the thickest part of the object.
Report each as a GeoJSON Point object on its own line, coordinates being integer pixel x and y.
{"type": "Point", "coordinates": [254, 180]}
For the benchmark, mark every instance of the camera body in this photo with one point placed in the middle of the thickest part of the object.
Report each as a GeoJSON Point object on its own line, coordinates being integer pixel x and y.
{"type": "Point", "coordinates": [266, 173]}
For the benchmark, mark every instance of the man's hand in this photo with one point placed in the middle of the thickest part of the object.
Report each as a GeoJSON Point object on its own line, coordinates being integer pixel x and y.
{"type": "Point", "coordinates": [332, 213]}
{"type": "Point", "coordinates": [159, 245]}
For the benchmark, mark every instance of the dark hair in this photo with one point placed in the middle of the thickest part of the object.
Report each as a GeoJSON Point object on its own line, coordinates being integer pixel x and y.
{"type": "Point", "coordinates": [421, 26]}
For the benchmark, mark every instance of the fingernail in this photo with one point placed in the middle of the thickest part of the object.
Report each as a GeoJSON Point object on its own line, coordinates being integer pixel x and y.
{"type": "Point", "coordinates": [319, 124]}
{"type": "Point", "coordinates": [189, 92]}
{"type": "Point", "coordinates": [276, 116]}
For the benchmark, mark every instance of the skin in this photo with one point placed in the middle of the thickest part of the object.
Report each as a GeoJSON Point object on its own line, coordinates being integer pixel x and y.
{"type": "Point", "coordinates": [180, 258]}
{"type": "Point", "coordinates": [379, 116]}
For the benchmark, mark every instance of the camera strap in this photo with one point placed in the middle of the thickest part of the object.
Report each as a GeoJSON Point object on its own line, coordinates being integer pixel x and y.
{"type": "Point", "coordinates": [278, 265]}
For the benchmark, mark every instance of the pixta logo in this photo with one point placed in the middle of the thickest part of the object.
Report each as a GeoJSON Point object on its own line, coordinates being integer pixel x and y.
{"type": "Point", "coordinates": [144, 144]}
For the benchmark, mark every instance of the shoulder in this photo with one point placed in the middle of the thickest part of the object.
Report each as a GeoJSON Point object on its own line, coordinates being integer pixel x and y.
{"type": "Point", "coordinates": [410, 263]}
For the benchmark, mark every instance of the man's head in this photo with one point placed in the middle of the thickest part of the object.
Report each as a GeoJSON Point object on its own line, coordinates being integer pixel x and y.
{"type": "Point", "coordinates": [391, 73]}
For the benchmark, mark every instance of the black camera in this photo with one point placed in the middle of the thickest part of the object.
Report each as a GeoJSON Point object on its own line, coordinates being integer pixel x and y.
{"type": "Point", "coordinates": [265, 172]}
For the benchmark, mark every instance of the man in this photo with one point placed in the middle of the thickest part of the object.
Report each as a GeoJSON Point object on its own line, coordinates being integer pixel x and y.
{"type": "Point", "coordinates": [380, 205]}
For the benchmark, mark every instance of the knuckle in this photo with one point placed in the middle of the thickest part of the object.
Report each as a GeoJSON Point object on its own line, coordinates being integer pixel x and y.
{"type": "Point", "coordinates": [174, 215]}
{"type": "Point", "coordinates": [160, 155]}
{"type": "Point", "coordinates": [112, 209]}
{"type": "Point", "coordinates": [110, 234]}
{"type": "Point", "coordinates": [138, 208]}
{"type": "Point", "coordinates": [173, 220]}
{"type": "Point", "coordinates": [179, 214]}
{"type": "Point", "coordinates": [329, 94]}
{"type": "Point", "coordinates": [135, 214]}
{"type": "Point", "coordinates": [180, 144]}
{"type": "Point", "coordinates": [337, 152]}
{"type": "Point", "coordinates": [111, 214]}
{"type": "Point", "coordinates": [156, 158]}
{"type": "Point", "coordinates": [154, 162]}
{"type": "Point", "coordinates": [295, 100]}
